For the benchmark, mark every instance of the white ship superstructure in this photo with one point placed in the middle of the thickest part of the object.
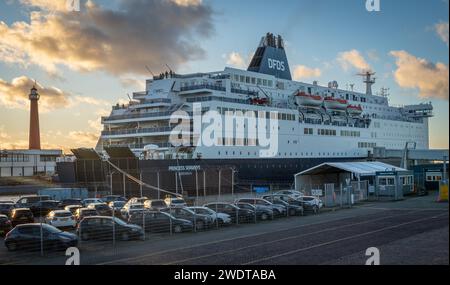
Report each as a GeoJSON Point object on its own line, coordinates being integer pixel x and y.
{"type": "Point", "coordinates": [314, 121]}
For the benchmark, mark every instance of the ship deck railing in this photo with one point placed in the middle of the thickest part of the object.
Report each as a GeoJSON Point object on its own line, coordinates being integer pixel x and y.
{"type": "Point", "coordinates": [137, 131]}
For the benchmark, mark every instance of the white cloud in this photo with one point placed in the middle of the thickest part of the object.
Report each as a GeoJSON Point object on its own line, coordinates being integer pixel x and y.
{"type": "Point", "coordinates": [301, 71]}
{"type": "Point", "coordinates": [133, 82]}
{"type": "Point", "coordinates": [352, 59]}
{"type": "Point", "coordinates": [413, 72]}
{"type": "Point", "coordinates": [442, 31]}
{"type": "Point", "coordinates": [235, 59]}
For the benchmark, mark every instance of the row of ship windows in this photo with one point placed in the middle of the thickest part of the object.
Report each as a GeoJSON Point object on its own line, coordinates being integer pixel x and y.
{"type": "Point", "coordinates": [252, 80]}
{"type": "Point", "coordinates": [378, 125]}
{"type": "Point", "coordinates": [227, 141]}
{"type": "Point", "coordinates": [268, 115]}
{"type": "Point", "coordinates": [343, 154]}
{"type": "Point", "coordinates": [366, 144]}
{"type": "Point", "coordinates": [328, 132]}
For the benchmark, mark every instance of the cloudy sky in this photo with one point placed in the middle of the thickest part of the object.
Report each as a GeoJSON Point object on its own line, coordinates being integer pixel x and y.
{"type": "Point", "coordinates": [86, 61]}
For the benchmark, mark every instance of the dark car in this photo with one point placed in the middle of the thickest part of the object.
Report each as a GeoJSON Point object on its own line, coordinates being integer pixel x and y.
{"type": "Point", "coordinates": [157, 221]}
{"type": "Point", "coordinates": [236, 213]}
{"type": "Point", "coordinates": [5, 225]}
{"type": "Point", "coordinates": [29, 237]}
{"type": "Point", "coordinates": [263, 213]}
{"type": "Point", "coordinates": [100, 227]}
{"type": "Point", "coordinates": [155, 205]}
{"type": "Point", "coordinates": [101, 208]}
{"type": "Point", "coordinates": [117, 206]}
{"type": "Point", "coordinates": [29, 201]}
{"type": "Point", "coordinates": [81, 213]}
{"type": "Point", "coordinates": [113, 198]}
{"type": "Point", "coordinates": [278, 210]}
{"type": "Point", "coordinates": [42, 208]}
{"type": "Point", "coordinates": [21, 216]}
{"type": "Point", "coordinates": [200, 222]}
{"type": "Point", "coordinates": [292, 207]}
{"type": "Point", "coordinates": [6, 208]}
{"type": "Point", "coordinates": [68, 202]}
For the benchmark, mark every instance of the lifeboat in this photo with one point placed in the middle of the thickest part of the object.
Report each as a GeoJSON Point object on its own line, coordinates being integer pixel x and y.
{"type": "Point", "coordinates": [354, 110]}
{"type": "Point", "coordinates": [335, 103]}
{"type": "Point", "coordinates": [304, 99]}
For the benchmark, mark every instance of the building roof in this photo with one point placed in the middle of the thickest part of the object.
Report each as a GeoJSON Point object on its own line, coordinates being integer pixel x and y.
{"type": "Point", "coordinates": [366, 168]}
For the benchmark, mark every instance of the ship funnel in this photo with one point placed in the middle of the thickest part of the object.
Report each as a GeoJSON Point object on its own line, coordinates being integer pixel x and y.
{"type": "Point", "coordinates": [270, 58]}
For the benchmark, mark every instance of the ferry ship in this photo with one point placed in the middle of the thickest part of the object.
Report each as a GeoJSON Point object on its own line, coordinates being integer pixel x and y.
{"type": "Point", "coordinates": [315, 123]}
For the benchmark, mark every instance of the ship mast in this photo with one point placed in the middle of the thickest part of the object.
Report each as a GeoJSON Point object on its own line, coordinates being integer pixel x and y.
{"type": "Point", "coordinates": [368, 80]}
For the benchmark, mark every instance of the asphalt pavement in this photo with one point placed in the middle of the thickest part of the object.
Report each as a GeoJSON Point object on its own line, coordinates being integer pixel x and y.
{"type": "Point", "coordinates": [412, 231]}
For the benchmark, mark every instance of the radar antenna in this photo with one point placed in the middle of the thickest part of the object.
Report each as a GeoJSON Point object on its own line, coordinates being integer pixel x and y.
{"type": "Point", "coordinates": [384, 92]}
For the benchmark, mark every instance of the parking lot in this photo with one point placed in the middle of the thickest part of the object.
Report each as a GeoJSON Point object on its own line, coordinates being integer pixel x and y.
{"type": "Point", "coordinates": [412, 231]}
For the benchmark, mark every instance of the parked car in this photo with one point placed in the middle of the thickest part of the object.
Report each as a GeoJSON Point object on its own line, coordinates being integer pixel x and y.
{"type": "Point", "coordinates": [129, 209]}
{"type": "Point", "coordinates": [72, 208]}
{"type": "Point", "coordinates": [21, 216]}
{"type": "Point", "coordinates": [88, 201]}
{"type": "Point", "coordinates": [113, 198]}
{"type": "Point", "coordinates": [219, 218]}
{"type": "Point", "coordinates": [101, 208]}
{"type": "Point", "coordinates": [292, 208]}
{"type": "Point", "coordinates": [156, 221]}
{"type": "Point", "coordinates": [72, 201]}
{"type": "Point", "coordinates": [175, 202]}
{"type": "Point", "coordinates": [61, 219]}
{"type": "Point", "coordinates": [28, 236]}
{"type": "Point", "coordinates": [29, 201]}
{"type": "Point", "coordinates": [278, 210]}
{"type": "Point", "coordinates": [200, 222]}
{"type": "Point", "coordinates": [311, 203]}
{"type": "Point", "coordinates": [5, 225]}
{"type": "Point", "coordinates": [117, 206]}
{"type": "Point", "coordinates": [236, 213]}
{"type": "Point", "coordinates": [293, 193]}
{"type": "Point", "coordinates": [42, 208]}
{"type": "Point", "coordinates": [155, 205]}
{"type": "Point", "coordinates": [263, 213]}
{"type": "Point", "coordinates": [6, 208]}
{"type": "Point", "coordinates": [100, 227]}
{"type": "Point", "coordinates": [137, 200]}
{"type": "Point", "coordinates": [84, 212]}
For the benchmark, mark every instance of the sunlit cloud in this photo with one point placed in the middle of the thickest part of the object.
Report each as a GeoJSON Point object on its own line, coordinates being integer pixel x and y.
{"type": "Point", "coordinates": [14, 95]}
{"type": "Point", "coordinates": [301, 71]}
{"type": "Point", "coordinates": [84, 138]}
{"type": "Point", "coordinates": [413, 72]}
{"type": "Point", "coordinates": [3, 134]}
{"type": "Point", "coordinates": [98, 38]}
{"type": "Point", "coordinates": [352, 59]}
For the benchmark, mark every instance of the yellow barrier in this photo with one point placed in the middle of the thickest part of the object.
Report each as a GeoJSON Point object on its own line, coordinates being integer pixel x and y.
{"type": "Point", "coordinates": [443, 193]}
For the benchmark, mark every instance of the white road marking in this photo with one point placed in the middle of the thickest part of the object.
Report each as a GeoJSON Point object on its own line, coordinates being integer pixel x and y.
{"type": "Point", "coordinates": [283, 239]}
{"type": "Point", "coordinates": [215, 242]}
{"type": "Point", "coordinates": [341, 239]}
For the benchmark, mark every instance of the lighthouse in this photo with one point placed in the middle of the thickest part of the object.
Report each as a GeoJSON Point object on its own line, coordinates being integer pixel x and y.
{"type": "Point", "coordinates": [35, 137]}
